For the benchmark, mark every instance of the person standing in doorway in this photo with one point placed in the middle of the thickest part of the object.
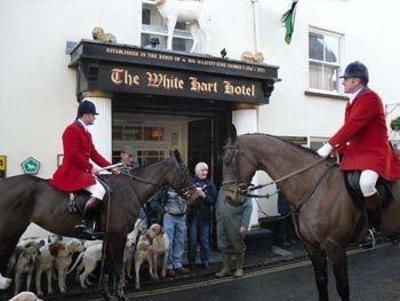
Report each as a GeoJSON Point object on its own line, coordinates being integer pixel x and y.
{"type": "Point", "coordinates": [127, 159]}
{"type": "Point", "coordinates": [199, 216]}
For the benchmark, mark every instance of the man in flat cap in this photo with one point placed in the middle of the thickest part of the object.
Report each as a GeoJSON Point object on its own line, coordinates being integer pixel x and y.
{"type": "Point", "coordinates": [127, 159]}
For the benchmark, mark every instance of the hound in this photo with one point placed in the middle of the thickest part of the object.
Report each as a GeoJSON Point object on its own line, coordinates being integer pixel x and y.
{"type": "Point", "coordinates": [64, 260]}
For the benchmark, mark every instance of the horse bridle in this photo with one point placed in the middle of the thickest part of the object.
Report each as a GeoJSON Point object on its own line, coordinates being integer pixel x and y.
{"type": "Point", "coordinates": [183, 173]}
{"type": "Point", "coordinates": [243, 188]}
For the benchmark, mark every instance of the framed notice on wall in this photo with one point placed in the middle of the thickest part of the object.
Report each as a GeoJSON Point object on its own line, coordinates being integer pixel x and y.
{"type": "Point", "coordinates": [3, 166]}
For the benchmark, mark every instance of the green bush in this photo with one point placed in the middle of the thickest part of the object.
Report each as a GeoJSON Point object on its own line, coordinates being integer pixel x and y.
{"type": "Point", "coordinates": [395, 124]}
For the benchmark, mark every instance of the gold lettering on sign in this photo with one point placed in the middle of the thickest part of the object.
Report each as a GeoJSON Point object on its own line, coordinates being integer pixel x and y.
{"type": "Point", "coordinates": [242, 90]}
{"type": "Point", "coordinates": [122, 76]}
{"type": "Point", "coordinates": [198, 86]}
{"type": "Point", "coordinates": [165, 81]}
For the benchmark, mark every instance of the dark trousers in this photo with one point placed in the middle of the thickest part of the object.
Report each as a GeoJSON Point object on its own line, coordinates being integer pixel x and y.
{"type": "Point", "coordinates": [199, 234]}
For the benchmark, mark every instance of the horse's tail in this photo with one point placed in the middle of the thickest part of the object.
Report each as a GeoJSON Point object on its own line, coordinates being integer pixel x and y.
{"type": "Point", "coordinates": [76, 262]}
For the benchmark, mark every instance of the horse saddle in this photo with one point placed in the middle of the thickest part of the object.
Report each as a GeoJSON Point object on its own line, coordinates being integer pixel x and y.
{"type": "Point", "coordinates": [78, 199]}
{"type": "Point", "coordinates": [352, 181]}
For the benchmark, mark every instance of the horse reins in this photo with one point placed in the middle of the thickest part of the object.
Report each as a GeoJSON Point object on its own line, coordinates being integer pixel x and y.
{"type": "Point", "coordinates": [288, 176]}
{"type": "Point", "coordinates": [276, 182]}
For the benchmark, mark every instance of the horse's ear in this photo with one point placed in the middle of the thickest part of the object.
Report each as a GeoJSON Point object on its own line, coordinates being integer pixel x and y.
{"type": "Point", "coordinates": [177, 155]}
{"type": "Point", "coordinates": [232, 134]}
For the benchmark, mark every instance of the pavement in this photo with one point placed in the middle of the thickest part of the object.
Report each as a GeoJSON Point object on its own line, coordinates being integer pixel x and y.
{"type": "Point", "coordinates": [373, 276]}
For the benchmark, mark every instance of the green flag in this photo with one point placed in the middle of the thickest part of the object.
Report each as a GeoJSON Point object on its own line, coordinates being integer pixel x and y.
{"type": "Point", "coordinates": [288, 20]}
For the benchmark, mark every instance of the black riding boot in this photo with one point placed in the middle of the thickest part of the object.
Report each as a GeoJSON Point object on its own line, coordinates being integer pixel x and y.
{"type": "Point", "coordinates": [374, 214]}
{"type": "Point", "coordinates": [85, 227]}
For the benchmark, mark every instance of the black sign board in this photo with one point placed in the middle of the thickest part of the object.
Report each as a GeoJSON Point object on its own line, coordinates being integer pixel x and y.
{"type": "Point", "coordinates": [127, 69]}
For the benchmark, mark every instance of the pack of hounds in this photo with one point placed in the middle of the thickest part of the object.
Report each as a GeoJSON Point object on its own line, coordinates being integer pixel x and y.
{"type": "Point", "coordinates": [56, 257]}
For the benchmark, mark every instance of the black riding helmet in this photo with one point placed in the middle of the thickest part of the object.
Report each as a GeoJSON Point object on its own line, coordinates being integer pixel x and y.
{"type": "Point", "coordinates": [357, 70]}
{"type": "Point", "coordinates": [86, 107]}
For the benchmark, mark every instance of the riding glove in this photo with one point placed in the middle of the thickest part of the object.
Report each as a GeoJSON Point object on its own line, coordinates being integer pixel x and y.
{"type": "Point", "coordinates": [325, 150]}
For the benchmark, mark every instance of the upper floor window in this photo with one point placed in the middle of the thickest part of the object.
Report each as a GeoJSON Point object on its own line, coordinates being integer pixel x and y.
{"type": "Point", "coordinates": [324, 60]}
{"type": "Point", "coordinates": [154, 31]}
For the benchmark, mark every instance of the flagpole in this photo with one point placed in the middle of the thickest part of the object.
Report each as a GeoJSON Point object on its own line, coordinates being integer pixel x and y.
{"type": "Point", "coordinates": [256, 31]}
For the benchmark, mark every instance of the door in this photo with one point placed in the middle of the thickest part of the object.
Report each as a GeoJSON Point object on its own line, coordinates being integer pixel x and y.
{"type": "Point", "coordinates": [200, 143]}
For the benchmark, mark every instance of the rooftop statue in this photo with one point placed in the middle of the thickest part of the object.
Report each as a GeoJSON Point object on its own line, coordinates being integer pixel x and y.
{"type": "Point", "coordinates": [98, 34]}
{"type": "Point", "coordinates": [194, 13]}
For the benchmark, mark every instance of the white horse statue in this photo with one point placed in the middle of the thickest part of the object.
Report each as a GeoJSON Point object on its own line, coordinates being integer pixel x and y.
{"type": "Point", "coordinates": [192, 12]}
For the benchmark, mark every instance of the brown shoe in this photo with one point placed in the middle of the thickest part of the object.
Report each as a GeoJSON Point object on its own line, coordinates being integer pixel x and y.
{"type": "Point", "coordinates": [171, 273]}
{"type": "Point", "coordinates": [182, 270]}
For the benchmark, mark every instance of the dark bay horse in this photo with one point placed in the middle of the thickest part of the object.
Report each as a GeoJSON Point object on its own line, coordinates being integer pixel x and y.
{"type": "Point", "coordinates": [27, 199]}
{"type": "Point", "coordinates": [327, 221]}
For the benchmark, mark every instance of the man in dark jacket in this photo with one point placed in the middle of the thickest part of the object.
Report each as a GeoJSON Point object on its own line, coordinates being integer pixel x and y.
{"type": "Point", "coordinates": [199, 216]}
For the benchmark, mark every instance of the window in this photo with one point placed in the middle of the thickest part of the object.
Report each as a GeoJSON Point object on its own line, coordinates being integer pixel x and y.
{"type": "Point", "coordinates": [317, 142]}
{"type": "Point", "coordinates": [150, 156]}
{"type": "Point", "coordinates": [144, 157]}
{"type": "Point", "coordinates": [324, 60]}
{"type": "Point", "coordinates": [130, 132]}
{"type": "Point", "coordinates": [154, 31]}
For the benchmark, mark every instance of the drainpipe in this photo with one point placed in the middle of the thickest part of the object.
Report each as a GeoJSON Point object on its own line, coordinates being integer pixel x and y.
{"type": "Point", "coordinates": [256, 31]}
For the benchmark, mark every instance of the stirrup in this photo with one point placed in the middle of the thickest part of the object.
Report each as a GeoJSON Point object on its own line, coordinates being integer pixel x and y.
{"type": "Point", "coordinates": [85, 230]}
{"type": "Point", "coordinates": [369, 241]}
{"type": "Point", "coordinates": [93, 235]}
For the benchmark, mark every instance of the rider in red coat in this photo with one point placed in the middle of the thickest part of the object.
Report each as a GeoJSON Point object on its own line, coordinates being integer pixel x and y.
{"type": "Point", "coordinates": [77, 172]}
{"type": "Point", "coordinates": [363, 139]}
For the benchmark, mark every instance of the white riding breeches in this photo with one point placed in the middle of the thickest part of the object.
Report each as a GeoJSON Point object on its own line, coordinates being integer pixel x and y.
{"type": "Point", "coordinates": [368, 181]}
{"type": "Point", "coordinates": [97, 190]}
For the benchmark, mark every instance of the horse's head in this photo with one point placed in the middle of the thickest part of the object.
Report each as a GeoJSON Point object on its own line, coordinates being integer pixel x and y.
{"type": "Point", "coordinates": [181, 179]}
{"type": "Point", "coordinates": [238, 170]}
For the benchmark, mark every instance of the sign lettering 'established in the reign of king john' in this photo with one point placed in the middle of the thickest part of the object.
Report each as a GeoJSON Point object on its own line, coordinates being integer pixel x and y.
{"type": "Point", "coordinates": [134, 70]}
{"type": "Point", "coordinates": [180, 82]}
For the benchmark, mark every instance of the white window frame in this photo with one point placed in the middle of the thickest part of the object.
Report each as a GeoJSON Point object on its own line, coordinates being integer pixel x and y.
{"type": "Point", "coordinates": [340, 38]}
{"type": "Point", "coordinates": [317, 139]}
{"type": "Point", "coordinates": [154, 30]}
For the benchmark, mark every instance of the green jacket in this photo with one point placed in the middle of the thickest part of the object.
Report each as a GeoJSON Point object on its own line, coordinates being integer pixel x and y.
{"type": "Point", "coordinates": [239, 215]}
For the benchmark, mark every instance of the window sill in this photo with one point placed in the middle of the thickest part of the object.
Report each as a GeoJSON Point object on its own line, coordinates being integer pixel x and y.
{"type": "Point", "coordinates": [326, 95]}
{"type": "Point", "coordinates": [162, 31]}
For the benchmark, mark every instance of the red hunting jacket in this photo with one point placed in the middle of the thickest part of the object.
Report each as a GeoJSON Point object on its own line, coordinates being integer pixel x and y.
{"type": "Point", "coordinates": [363, 139]}
{"type": "Point", "coordinates": [75, 173]}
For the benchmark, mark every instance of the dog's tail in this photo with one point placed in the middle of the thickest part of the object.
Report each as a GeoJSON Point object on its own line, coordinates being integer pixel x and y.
{"type": "Point", "coordinates": [78, 259]}
{"type": "Point", "coordinates": [4, 282]}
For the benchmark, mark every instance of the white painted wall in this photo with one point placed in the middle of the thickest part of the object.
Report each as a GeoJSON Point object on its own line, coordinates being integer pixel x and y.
{"type": "Point", "coordinates": [37, 89]}
{"type": "Point", "coordinates": [369, 28]}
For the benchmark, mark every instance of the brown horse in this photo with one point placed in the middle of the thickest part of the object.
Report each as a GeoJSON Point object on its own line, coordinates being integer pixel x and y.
{"type": "Point", "coordinates": [325, 217]}
{"type": "Point", "coordinates": [27, 199]}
